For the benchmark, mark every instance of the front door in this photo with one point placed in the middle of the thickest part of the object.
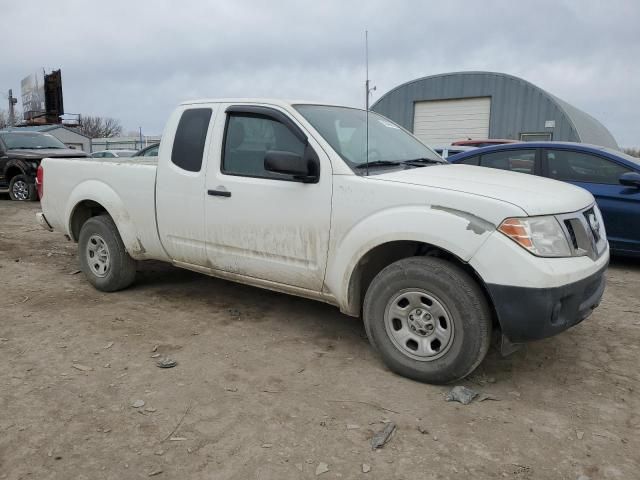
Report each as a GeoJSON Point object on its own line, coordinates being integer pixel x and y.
{"type": "Point", "coordinates": [260, 224]}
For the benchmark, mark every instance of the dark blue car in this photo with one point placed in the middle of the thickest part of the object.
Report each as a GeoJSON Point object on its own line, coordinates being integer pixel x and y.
{"type": "Point", "coordinates": [611, 176]}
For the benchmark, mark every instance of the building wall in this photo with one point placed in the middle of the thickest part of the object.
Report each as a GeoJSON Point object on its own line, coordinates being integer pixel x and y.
{"type": "Point", "coordinates": [517, 106]}
{"type": "Point", "coordinates": [71, 139]}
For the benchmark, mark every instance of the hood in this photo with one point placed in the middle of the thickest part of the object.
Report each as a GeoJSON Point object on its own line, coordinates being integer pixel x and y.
{"type": "Point", "coordinates": [40, 153]}
{"type": "Point", "coordinates": [535, 195]}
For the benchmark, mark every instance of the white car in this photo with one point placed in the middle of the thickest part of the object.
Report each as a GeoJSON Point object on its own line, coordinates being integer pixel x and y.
{"type": "Point", "coordinates": [113, 153]}
{"type": "Point", "coordinates": [293, 197]}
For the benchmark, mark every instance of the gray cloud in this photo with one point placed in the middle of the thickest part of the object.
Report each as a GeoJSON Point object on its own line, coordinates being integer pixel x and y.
{"type": "Point", "coordinates": [136, 60]}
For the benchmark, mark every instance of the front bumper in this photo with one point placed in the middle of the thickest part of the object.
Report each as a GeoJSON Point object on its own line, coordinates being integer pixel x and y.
{"type": "Point", "coordinates": [42, 221]}
{"type": "Point", "coordinates": [527, 314]}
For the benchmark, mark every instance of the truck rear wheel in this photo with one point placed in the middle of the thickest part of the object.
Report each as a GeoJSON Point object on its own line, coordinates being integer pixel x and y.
{"type": "Point", "coordinates": [428, 318]}
{"type": "Point", "coordinates": [103, 258]}
{"type": "Point", "coordinates": [21, 189]}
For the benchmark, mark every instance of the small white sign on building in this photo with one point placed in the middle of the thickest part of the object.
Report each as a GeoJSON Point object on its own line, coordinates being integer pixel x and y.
{"type": "Point", "coordinates": [550, 124]}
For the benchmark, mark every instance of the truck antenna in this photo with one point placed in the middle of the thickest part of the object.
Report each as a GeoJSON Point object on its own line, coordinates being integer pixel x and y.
{"type": "Point", "coordinates": [368, 91]}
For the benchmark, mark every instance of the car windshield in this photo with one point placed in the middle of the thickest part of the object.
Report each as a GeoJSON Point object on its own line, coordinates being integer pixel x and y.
{"type": "Point", "coordinates": [33, 140]}
{"type": "Point", "coordinates": [345, 129]}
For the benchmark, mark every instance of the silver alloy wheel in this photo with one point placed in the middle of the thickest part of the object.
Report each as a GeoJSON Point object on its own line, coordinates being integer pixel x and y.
{"type": "Point", "coordinates": [419, 325]}
{"type": "Point", "coordinates": [98, 255]}
{"type": "Point", "coordinates": [20, 190]}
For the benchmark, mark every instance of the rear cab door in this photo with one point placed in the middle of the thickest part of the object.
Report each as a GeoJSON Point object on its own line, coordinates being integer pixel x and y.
{"type": "Point", "coordinates": [180, 183]}
{"type": "Point", "coordinates": [260, 224]}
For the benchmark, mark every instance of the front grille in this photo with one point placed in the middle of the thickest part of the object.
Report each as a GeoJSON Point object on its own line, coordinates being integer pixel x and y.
{"type": "Point", "coordinates": [572, 234]}
{"type": "Point", "coordinates": [593, 223]}
{"type": "Point", "coordinates": [585, 232]}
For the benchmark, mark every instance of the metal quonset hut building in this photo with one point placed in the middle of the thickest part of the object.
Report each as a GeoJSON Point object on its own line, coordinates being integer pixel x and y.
{"type": "Point", "coordinates": [455, 106]}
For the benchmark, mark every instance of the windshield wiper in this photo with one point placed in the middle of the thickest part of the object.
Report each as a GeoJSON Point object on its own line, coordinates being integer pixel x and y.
{"type": "Point", "coordinates": [421, 162]}
{"type": "Point", "coordinates": [378, 163]}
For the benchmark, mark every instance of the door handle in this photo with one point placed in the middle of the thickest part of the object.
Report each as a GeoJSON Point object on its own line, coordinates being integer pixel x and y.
{"type": "Point", "coordinates": [219, 193]}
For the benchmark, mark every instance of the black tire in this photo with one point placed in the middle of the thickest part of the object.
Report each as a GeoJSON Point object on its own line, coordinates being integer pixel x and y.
{"type": "Point", "coordinates": [120, 270]}
{"type": "Point", "coordinates": [22, 189]}
{"type": "Point", "coordinates": [466, 313]}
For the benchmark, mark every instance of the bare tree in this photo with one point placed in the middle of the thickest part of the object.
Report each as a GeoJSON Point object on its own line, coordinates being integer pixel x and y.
{"type": "Point", "coordinates": [634, 152]}
{"type": "Point", "coordinates": [99, 127]}
{"type": "Point", "coordinates": [4, 118]}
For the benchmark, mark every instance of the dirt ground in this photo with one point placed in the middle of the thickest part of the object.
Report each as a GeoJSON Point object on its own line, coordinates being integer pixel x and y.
{"type": "Point", "coordinates": [269, 386]}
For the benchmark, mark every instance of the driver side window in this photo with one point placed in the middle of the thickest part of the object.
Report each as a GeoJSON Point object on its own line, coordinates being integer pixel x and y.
{"type": "Point", "coordinates": [248, 138]}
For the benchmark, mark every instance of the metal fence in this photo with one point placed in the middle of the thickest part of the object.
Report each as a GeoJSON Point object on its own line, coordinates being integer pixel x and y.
{"type": "Point", "coordinates": [123, 143]}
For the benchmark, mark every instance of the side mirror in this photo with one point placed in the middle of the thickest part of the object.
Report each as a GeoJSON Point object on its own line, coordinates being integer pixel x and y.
{"type": "Point", "coordinates": [303, 169]}
{"type": "Point", "coordinates": [630, 179]}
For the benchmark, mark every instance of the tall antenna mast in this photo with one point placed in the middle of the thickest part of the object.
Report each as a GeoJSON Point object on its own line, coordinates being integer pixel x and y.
{"type": "Point", "coordinates": [366, 97]}
{"type": "Point", "coordinates": [366, 67]}
{"type": "Point", "coordinates": [368, 91]}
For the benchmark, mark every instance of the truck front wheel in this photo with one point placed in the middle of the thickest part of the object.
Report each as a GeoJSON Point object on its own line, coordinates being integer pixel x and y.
{"type": "Point", "coordinates": [103, 257]}
{"type": "Point", "coordinates": [21, 189]}
{"type": "Point", "coordinates": [428, 318]}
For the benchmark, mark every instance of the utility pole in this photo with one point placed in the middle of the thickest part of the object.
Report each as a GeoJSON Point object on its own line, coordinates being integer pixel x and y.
{"type": "Point", "coordinates": [12, 113]}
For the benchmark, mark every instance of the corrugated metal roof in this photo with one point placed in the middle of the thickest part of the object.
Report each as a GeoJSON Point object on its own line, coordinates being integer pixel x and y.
{"type": "Point", "coordinates": [517, 106]}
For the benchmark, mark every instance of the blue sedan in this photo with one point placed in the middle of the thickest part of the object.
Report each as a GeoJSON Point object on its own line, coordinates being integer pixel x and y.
{"type": "Point", "coordinates": [611, 176]}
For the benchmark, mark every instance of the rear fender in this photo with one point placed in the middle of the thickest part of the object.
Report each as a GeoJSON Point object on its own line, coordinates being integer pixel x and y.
{"type": "Point", "coordinates": [104, 195]}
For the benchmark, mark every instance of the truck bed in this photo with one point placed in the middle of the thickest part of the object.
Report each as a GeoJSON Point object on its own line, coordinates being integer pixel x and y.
{"type": "Point", "coordinates": [129, 186]}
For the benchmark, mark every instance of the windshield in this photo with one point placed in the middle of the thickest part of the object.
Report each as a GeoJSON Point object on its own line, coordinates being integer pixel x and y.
{"type": "Point", "coordinates": [345, 130]}
{"type": "Point", "coordinates": [32, 140]}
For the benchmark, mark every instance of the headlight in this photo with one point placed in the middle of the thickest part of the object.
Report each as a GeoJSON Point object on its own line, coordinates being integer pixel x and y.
{"type": "Point", "coordinates": [542, 236]}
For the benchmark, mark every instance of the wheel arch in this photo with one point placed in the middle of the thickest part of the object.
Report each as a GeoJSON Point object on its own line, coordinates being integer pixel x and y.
{"type": "Point", "coordinates": [382, 255]}
{"type": "Point", "coordinates": [396, 233]}
{"type": "Point", "coordinates": [94, 198]}
{"type": "Point", "coordinates": [13, 171]}
{"type": "Point", "coordinates": [82, 212]}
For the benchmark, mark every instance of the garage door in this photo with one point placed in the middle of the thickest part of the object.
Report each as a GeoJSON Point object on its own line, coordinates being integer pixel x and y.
{"type": "Point", "coordinates": [440, 122]}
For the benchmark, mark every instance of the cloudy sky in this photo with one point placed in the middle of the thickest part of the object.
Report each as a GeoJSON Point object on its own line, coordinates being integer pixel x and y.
{"type": "Point", "coordinates": [135, 60]}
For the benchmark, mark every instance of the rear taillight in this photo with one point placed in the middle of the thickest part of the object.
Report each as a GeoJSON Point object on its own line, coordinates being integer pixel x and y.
{"type": "Point", "coordinates": [40, 182]}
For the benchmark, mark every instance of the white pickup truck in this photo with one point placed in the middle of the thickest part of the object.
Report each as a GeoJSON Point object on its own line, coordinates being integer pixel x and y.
{"type": "Point", "coordinates": [332, 204]}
